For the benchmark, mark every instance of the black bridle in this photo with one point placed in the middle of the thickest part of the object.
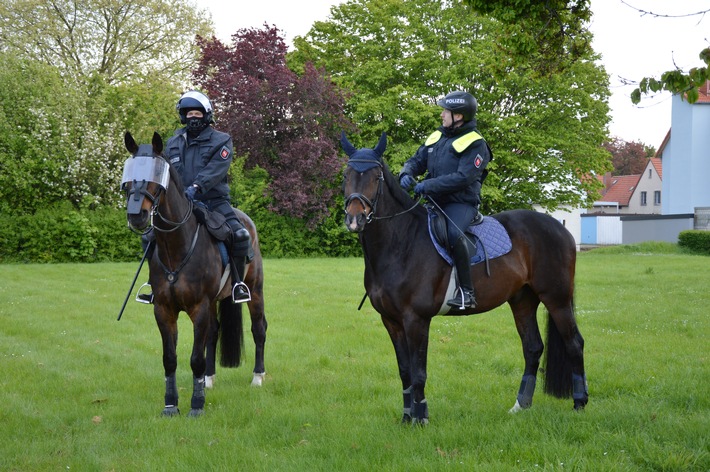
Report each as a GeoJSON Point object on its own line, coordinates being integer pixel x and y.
{"type": "Point", "coordinates": [372, 203]}
{"type": "Point", "coordinates": [138, 191]}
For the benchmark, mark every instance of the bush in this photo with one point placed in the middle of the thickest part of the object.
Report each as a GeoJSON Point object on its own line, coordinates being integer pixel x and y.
{"type": "Point", "coordinates": [696, 241]}
{"type": "Point", "coordinates": [61, 233]}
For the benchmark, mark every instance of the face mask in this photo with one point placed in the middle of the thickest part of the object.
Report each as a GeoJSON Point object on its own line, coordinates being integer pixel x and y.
{"type": "Point", "coordinates": [195, 126]}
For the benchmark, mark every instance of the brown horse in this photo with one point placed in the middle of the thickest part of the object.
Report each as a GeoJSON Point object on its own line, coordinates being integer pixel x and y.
{"type": "Point", "coordinates": [187, 274]}
{"type": "Point", "coordinates": [407, 282]}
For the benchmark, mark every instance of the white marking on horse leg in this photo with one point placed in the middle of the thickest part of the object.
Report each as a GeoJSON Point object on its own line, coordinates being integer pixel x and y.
{"type": "Point", "coordinates": [258, 379]}
{"type": "Point", "coordinates": [516, 408]}
{"type": "Point", "coordinates": [209, 381]}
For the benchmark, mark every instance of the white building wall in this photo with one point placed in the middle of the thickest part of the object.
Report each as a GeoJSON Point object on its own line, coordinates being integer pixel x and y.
{"type": "Point", "coordinates": [686, 159]}
{"type": "Point", "coordinates": [570, 218]}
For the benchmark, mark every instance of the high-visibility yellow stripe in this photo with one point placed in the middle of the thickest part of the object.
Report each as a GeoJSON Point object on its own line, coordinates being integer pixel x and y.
{"type": "Point", "coordinates": [433, 137]}
{"type": "Point", "coordinates": [466, 140]}
{"type": "Point", "coordinates": [460, 144]}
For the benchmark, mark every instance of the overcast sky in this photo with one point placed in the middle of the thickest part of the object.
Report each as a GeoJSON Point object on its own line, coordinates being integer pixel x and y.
{"type": "Point", "coordinates": [633, 45]}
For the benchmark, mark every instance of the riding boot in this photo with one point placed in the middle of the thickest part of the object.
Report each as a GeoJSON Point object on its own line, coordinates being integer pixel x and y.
{"type": "Point", "coordinates": [464, 296]}
{"type": "Point", "coordinates": [148, 244]}
{"type": "Point", "coordinates": [241, 243]}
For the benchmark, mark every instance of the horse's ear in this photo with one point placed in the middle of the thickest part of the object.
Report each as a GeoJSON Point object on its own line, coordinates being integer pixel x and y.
{"type": "Point", "coordinates": [345, 144]}
{"type": "Point", "coordinates": [157, 143]}
{"type": "Point", "coordinates": [381, 145]}
{"type": "Point", "coordinates": [131, 145]}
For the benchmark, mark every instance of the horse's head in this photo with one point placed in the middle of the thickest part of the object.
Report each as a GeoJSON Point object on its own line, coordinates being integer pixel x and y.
{"type": "Point", "coordinates": [146, 175]}
{"type": "Point", "coordinates": [363, 182]}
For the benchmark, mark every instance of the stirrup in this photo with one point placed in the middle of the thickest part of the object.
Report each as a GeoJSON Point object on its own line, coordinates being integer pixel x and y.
{"type": "Point", "coordinates": [146, 298]}
{"type": "Point", "coordinates": [241, 297]}
{"type": "Point", "coordinates": [459, 301]}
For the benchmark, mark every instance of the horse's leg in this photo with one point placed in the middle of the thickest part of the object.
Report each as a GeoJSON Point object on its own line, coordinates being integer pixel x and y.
{"type": "Point", "coordinates": [211, 353]}
{"type": "Point", "coordinates": [167, 324]}
{"type": "Point", "coordinates": [417, 332]}
{"type": "Point", "coordinates": [203, 317]}
{"type": "Point", "coordinates": [399, 341]}
{"type": "Point", "coordinates": [258, 332]}
{"type": "Point", "coordinates": [565, 356]}
{"type": "Point", "coordinates": [524, 305]}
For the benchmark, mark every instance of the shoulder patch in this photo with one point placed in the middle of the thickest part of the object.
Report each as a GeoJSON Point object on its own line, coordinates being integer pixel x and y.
{"type": "Point", "coordinates": [466, 140]}
{"type": "Point", "coordinates": [433, 138]}
{"type": "Point", "coordinates": [224, 152]}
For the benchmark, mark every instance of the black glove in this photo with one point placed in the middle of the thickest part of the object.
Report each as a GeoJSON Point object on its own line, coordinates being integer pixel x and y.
{"type": "Point", "coordinates": [190, 192]}
{"type": "Point", "coordinates": [407, 181]}
{"type": "Point", "coordinates": [420, 188]}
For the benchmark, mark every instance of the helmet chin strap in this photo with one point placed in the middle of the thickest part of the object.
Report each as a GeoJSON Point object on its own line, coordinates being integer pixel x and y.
{"type": "Point", "coordinates": [454, 124]}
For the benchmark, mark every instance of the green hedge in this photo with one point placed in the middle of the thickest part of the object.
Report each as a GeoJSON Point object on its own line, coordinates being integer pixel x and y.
{"type": "Point", "coordinates": [696, 241]}
{"type": "Point", "coordinates": [63, 234]}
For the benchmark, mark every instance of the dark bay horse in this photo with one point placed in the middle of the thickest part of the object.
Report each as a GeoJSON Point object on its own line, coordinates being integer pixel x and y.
{"type": "Point", "coordinates": [187, 274]}
{"type": "Point", "coordinates": [407, 281]}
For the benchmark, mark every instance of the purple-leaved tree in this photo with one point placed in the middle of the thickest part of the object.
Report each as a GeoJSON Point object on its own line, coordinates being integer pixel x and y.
{"type": "Point", "coordinates": [287, 124]}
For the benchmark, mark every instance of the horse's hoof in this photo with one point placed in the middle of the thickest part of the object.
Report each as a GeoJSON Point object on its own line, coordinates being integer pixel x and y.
{"type": "Point", "coordinates": [196, 413]}
{"type": "Point", "coordinates": [421, 422]}
{"type": "Point", "coordinates": [517, 407]}
{"type": "Point", "coordinates": [258, 379]}
{"type": "Point", "coordinates": [209, 381]}
{"type": "Point", "coordinates": [171, 411]}
{"type": "Point", "coordinates": [579, 405]}
{"type": "Point", "coordinates": [406, 419]}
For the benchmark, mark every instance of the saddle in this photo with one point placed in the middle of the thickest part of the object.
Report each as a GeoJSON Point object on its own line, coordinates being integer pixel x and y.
{"type": "Point", "coordinates": [214, 221]}
{"type": "Point", "coordinates": [486, 237]}
{"type": "Point", "coordinates": [217, 226]}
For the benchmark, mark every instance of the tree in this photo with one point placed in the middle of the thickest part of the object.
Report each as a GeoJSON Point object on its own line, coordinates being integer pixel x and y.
{"type": "Point", "coordinates": [397, 58]}
{"type": "Point", "coordinates": [628, 158]}
{"type": "Point", "coordinates": [116, 39]}
{"type": "Point", "coordinates": [549, 22]}
{"type": "Point", "coordinates": [279, 121]}
{"type": "Point", "coordinates": [57, 145]}
{"type": "Point", "coordinates": [548, 35]}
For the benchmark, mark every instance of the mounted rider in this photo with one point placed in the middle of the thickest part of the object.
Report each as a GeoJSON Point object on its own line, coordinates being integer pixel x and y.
{"type": "Point", "coordinates": [202, 156]}
{"type": "Point", "coordinates": [454, 157]}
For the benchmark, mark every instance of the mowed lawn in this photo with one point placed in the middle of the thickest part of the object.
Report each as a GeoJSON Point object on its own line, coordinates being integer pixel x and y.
{"type": "Point", "coordinates": [82, 391]}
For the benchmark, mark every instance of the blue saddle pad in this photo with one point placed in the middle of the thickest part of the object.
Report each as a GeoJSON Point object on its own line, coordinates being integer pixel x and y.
{"type": "Point", "coordinates": [492, 240]}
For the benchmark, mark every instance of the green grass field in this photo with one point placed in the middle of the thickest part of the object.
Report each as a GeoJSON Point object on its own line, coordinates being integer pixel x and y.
{"type": "Point", "coordinates": [81, 391]}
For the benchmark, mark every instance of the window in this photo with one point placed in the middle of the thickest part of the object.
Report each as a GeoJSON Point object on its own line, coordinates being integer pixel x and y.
{"type": "Point", "coordinates": [650, 174]}
{"type": "Point", "coordinates": [657, 197]}
{"type": "Point", "coordinates": [643, 198]}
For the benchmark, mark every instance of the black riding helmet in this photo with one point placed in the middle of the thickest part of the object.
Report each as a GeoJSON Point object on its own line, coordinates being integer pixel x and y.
{"type": "Point", "coordinates": [460, 102]}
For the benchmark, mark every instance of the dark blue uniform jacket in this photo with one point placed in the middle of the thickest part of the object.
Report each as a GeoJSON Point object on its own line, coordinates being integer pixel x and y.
{"type": "Point", "coordinates": [204, 161]}
{"type": "Point", "coordinates": [456, 163]}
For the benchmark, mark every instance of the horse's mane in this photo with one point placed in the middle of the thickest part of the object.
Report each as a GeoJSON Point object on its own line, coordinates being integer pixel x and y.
{"type": "Point", "coordinates": [400, 195]}
{"type": "Point", "coordinates": [176, 179]}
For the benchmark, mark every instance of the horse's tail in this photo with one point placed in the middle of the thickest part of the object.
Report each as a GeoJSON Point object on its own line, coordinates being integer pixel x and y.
{"type": "Point", "coordinates": [557, 363]}
{"type": "Point", "coordinates": [232, 333]}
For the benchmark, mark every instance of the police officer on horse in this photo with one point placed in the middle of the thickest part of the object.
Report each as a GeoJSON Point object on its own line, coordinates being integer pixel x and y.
{"type": "Point", "coordinates": [202, 156]}
{"type": "Point", "coordinates": [455, 157]}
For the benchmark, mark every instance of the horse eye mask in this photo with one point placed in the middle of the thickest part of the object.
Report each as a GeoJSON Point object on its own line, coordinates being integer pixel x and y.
{"type": "Point", "coordinates": [146, 168]}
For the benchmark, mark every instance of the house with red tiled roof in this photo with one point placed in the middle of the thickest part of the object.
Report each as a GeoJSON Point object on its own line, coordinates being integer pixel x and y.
{"type": "Point", "coordinates": [646, 197]}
